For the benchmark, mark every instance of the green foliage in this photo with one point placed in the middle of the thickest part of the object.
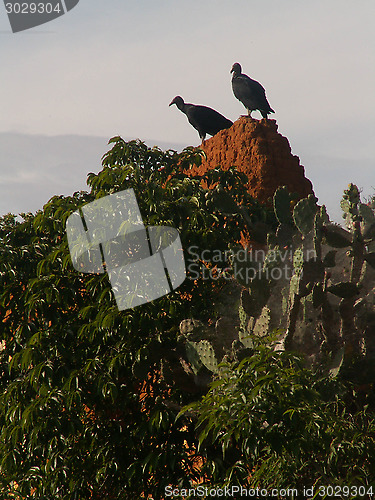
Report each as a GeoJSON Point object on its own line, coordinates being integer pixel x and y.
{"type": "Point", "coordinates": [270, 422]}
{"type": "Point", "coordinates": [86, 407]}
{"type": "Point", "coordinates": [202, 354]}
{"type": "Point", "coordinates": [82, 411]}
{"type": "Point", "coordinates": [304, 214]}
{"type": "Point", "coordinates": [281, 204]}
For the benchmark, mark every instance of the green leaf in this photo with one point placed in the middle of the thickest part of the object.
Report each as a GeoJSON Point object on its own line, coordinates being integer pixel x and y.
{"type": "Point", "coordinates": [246, 268]}
{"type": "Point", "coordinates": [304, 214]}
{"type": "Point", "coordinates": [370, 232]}
{"type": "Point", "coordinates": [337, 362]}
{"type": "Point", "coordinates": [345, 290]}
{"type": "Point", "coordinates": [193, 357]}
{"type": "Point", "coordinates": [141, 368]}
{"type": "Point", "coordinates": [205, 353]}
{"type": "Point", "coordinates": [367, 213]}
{"type": "Point", "coordinates": [225, 203]}
{"type": "Point", "coordinates": [317, 295]}
{"type": "Point", "coordinates": [370, 258]}
{"type": "Point", "coordinates": [330, 258]}
{"type": "Point", "coordinates": [281, 204]}
{"type": "Point", "coordinates": [336, 236]}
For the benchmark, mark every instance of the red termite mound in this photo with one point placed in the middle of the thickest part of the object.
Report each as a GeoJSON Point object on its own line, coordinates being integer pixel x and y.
{"type": "Point", "coordinates": [256, 148]}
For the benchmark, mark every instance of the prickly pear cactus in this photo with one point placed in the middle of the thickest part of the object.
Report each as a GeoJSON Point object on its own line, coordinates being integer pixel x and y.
{"type": "Point", "coordinates": [315, 279]}
{"type": "Point", "coordinates": [202, 354]}
{"type": "Point", "coordinates": [304, 214]}
{"type": "Point", "coordinates": [327, 300]}
{"type": "Point", "coordinates": [313, 282]}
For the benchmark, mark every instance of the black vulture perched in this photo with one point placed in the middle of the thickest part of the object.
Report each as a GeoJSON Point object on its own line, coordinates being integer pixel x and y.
{"type": "Point", "coordinates": [205, 120]}
{"type": "Point", "coordinates": [249, 92]}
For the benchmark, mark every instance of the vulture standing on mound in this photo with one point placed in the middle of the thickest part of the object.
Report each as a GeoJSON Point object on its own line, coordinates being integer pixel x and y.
{"type": "Point", "coordinates": [205, 120]}
{"type": "Point", "coordinates": [249, 92]}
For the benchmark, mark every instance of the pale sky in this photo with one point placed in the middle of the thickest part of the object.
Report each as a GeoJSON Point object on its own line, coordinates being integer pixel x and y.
{"type": "Point", "coordinates": [111, 68]}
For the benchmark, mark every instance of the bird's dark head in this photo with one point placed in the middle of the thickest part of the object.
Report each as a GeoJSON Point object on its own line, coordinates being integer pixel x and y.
{"type": "Point", "coordinates": [178, 101]}
{"type": "Point", "coordinates": [236, 69]}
